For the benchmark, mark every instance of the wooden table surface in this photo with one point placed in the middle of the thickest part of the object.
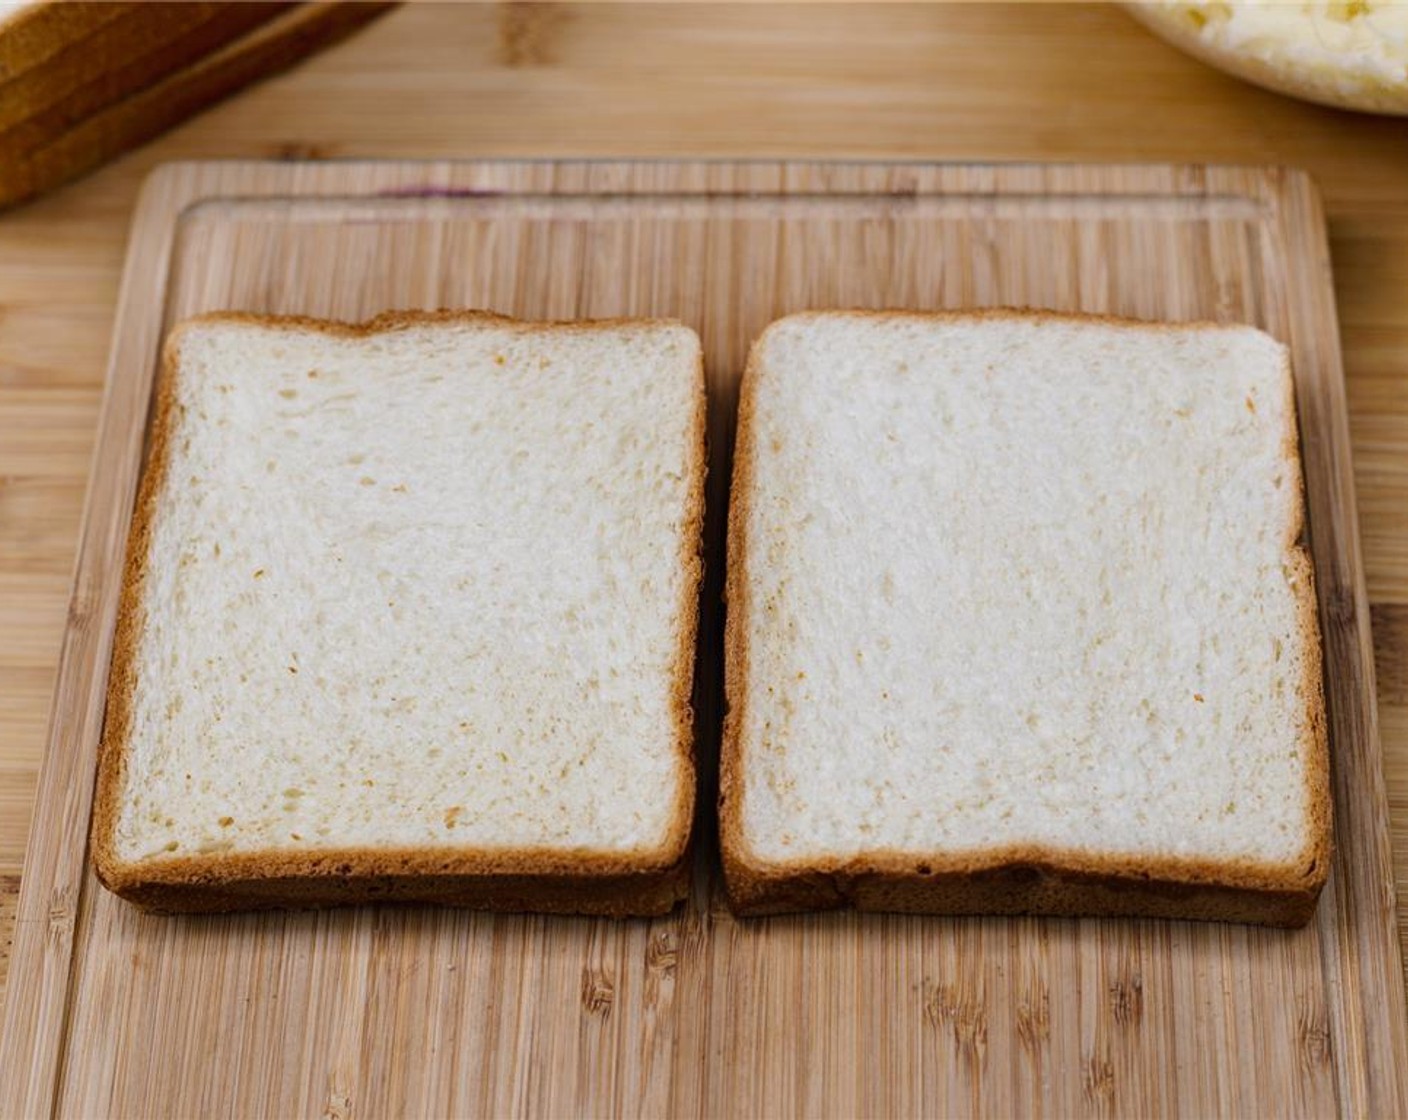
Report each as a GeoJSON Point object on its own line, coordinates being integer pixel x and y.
{"type": "Point", "coordinates": [922, 81]}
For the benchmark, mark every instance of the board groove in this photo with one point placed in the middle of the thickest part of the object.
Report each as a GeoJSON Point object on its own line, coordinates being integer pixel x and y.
{"type": "Point", "coordinates": [426, 1012]}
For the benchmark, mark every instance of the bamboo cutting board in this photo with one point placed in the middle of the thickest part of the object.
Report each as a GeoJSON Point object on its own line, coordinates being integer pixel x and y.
{"type": "Point", "coordinates": [382, 1011]}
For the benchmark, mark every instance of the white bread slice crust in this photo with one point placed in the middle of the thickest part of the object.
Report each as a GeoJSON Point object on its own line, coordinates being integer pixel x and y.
{"type": "Point", "coordinates": [551, 763]}
{"type": "Point", "coordinates": [919, 719]}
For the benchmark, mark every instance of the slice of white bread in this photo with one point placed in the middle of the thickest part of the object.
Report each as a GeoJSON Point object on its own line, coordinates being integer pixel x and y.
{"type": "Point", "coordinates": [1020, 621]}
{"type": "Point", "coordinates": [410, 613]}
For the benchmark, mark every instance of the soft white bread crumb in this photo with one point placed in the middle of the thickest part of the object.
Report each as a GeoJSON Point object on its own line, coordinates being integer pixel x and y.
{"type": "Point", "coordinates": [430, 587]}
{"type": "Point", "coordinates": [1020, 583]}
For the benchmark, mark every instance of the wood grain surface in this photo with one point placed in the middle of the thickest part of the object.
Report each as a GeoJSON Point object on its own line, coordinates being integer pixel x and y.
{"type": "Point", "coordinates": [698, 1013]}
{"type": "Point", "coordinates": [962, 82]}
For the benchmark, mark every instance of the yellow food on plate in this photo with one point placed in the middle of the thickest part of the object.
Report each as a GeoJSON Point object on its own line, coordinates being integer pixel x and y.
{"type": "Point", "coordinates": [1352, 55]}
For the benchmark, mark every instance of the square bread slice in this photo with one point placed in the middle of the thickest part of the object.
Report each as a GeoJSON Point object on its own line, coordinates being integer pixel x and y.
{"type": "Point", "coordinates": [1020, 621]}
{"type": "Point", "coordinates": [410, 613]}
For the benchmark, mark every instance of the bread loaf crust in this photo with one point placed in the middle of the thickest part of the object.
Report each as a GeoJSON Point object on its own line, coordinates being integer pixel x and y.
{"type": "Point", "coordinates": [1018, 879]}
{"type": "Point", "coordinates": [539, 879]}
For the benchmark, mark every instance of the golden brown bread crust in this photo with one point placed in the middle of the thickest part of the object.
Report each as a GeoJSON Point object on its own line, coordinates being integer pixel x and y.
{"type": "Point", "coordinates": [1026, 879]}
{"type": "Point", "coordinates": [34, 35]}
{"type": "Point", "coordinates": [125, 54]}
{"type": "Point", "coordinates": [549, 880]}
{"type": "Point", "coordinates": [38, 154]}
{"type": "Point", "coordinates": [1019, 886]}
{"type": "Point", "coordinates": [646, 894]}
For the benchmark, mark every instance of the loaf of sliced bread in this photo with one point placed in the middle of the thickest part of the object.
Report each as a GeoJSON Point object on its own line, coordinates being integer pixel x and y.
{"type": "Point", "coordinates": [410, 613]}
{"type": "Point", "coordinates": [1020, 621]}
